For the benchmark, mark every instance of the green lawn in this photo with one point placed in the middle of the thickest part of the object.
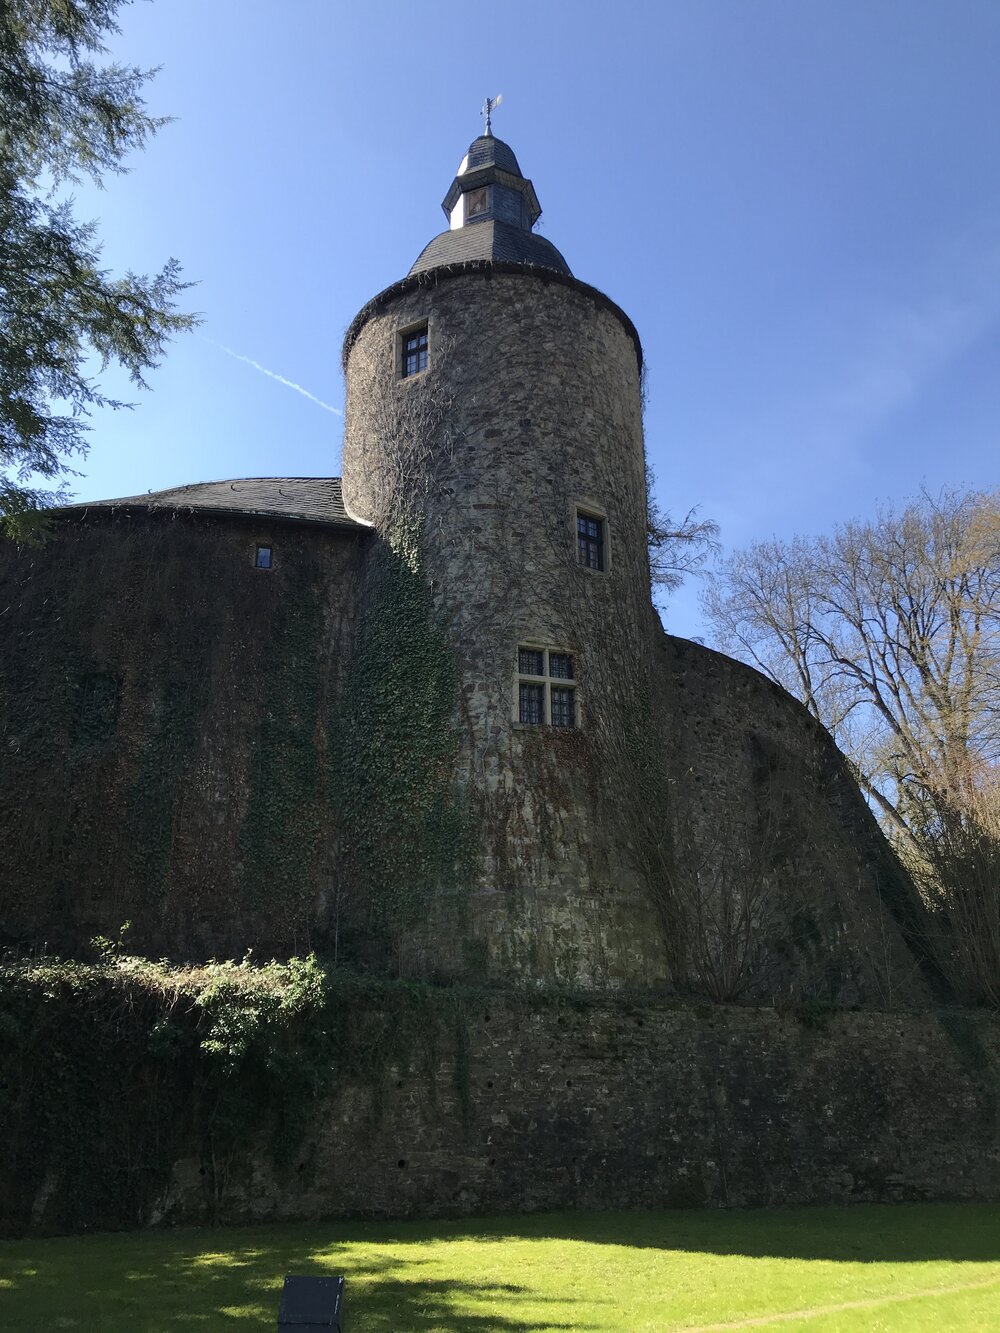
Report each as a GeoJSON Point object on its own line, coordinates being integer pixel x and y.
{"type": "Point", "coordinates": [914, 1267]}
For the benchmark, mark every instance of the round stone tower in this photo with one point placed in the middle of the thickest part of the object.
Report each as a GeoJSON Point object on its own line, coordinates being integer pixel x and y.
{"type": "Point", "coordinates": [493, 437]}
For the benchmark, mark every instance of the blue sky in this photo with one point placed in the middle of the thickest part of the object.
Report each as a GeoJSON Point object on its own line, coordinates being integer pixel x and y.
{"type": "Point", "coordinates": [797, 203]}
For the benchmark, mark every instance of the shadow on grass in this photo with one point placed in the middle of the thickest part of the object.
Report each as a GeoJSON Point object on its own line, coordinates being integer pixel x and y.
{"type": "Point", "coordinates": [176, 1281]}
{"type": "Point", "coordinates": [401, 1275]}
{"type": "Point", "coordinates": [868, 1233]}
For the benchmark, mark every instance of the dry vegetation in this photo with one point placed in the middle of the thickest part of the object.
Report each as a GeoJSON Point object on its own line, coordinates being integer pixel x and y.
{"type": "Point", "coordinates": [889, 632]}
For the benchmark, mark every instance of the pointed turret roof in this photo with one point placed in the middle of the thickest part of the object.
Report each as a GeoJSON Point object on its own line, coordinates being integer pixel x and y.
{"type": "Point", "coordinates": [492, 208]}
{"type": "Point", "coordinates": [488, 151]}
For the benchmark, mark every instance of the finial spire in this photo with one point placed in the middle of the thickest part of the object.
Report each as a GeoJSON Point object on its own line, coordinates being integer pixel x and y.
{"type": "Point", "coordinates": [489, 106]}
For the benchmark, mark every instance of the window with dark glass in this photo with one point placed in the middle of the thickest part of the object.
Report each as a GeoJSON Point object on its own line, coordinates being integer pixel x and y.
{"type": "Point", "coordinates": [264, 558]}
{"type": "Point", "coordinates": [541, 701]}
{"type": "Point", "coordinates": [590, 540]}
{"type": "Point", "coordinates": [477, 202]}
{"type": "Point", "coordinates": [561, 666]}
{"type": "Point", "coordinates": [415, 351]}
{"type": "Point", "coordinates": [563, 706]}
{"type": "Point", "coordinates": [531, 661]}
{"type": "Point", "coordinates": [531, 703]}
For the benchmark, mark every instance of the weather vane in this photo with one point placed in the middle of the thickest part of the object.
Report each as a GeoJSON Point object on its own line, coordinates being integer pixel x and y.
{"type": "Point", "coordinates": [489, 106]}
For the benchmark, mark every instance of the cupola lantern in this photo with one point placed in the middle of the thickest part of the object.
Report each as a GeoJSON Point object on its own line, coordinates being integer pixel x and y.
{"type": "Point", "coordinates": [491, 208]}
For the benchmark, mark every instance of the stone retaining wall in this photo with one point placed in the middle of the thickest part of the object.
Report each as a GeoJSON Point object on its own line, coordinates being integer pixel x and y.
{"type": "Point", "coordinates": [554, 1107]}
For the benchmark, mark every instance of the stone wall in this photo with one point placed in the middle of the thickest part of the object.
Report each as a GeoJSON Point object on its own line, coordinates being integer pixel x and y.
{"type": "Point", "coordinates": [508, 1105]}
{"type": "Point", "coordinates": [697, 830]}
{"type": "Point", "coordinates": [230, 758]}
{"type": "Point", "coordinates": [619, 1108]}
{"type": "Point", "coordinates": [530, 408]}
{"type": "Point", "coordinates": [166, 723]}
{"type": "Point", "coordinates": [764, 810]}
{"type": "Point", "coordinates": [328, 754]}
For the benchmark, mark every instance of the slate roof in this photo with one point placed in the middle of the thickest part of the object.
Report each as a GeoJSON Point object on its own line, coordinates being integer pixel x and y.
{"type": "Point", "coordinates": [489, 240]}
{"type": "Point", "coordinates": [308, 499]}
{"type": "Point", "coordinates": [489, 152]}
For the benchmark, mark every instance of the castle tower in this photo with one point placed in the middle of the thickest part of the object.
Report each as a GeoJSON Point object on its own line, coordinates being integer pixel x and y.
{"type": "Point", "coordinates": [426, 721]}
{"type": "Point", "coordinates": [493, 436]}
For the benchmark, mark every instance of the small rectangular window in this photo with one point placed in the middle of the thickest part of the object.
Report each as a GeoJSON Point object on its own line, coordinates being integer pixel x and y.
{"type": "Point", "coordinates": [563, 707]}
{"type": "Point", "coordinates": [590, 541]}
{"type": "Point", "coordinates": [531, 661]}
{"type": "Point", "coordinates": [531, 704]}
{"type": "Point", "coordinates": [264, 558]}
{"type": "Point", "coordinates": [540, 701]}
{"type": "Point", "coordinates": [415, 350]}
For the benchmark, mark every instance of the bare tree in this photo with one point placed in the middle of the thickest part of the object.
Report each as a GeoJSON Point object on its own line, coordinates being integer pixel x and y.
{"type": "Point", "coordinates": [726, 888]}
{"type": "Point", "coordinates": [958, 869]}
{"type": "Point", "coordinates": [676, 549]}
{"type": "Point", "coordinates": [889, 633]}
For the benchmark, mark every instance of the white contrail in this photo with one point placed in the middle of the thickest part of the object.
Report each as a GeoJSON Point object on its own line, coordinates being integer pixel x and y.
{"type": "Point", "coordinates": [271, 375]}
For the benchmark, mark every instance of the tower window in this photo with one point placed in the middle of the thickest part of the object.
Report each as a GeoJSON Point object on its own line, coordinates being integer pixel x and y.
{"type": "Point", "coordinates": [590, 540]}
{"type": "Point", "coordinates": [415, 351]}
{"type": "Point", "coordinates": [540, 700]}
{"type": "Point", "coordinates": [531, 703]}
{"type": "Point", "coordinates": [477, 202]}
{"type": "Point", "coordinates": [264, 559]}
{"type": "Point", "coordinates": [563, 706]}
{"type": "Point", "coordinates": [531, 661]}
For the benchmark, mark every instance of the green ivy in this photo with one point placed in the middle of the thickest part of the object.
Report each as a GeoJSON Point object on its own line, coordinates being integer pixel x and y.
{"type": "Point", "coordinates": [163, 758]}
{"type": "Point", "coordinates": [166, 750]}
{"type": "Point", "coordinates": [110, 1072]}
{"type": "Point", "coordinates": [405, 831]}
{"type": "Point", "coordinates": [288, 810]}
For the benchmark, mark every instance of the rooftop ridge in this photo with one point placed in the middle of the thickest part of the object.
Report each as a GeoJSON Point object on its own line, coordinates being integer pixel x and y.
{"type": "Point", "coordinates": [306, 499]}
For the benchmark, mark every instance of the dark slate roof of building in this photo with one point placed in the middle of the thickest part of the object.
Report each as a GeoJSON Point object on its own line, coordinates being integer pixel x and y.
{"type": "Point", "coordinates": [489, 152]}
{"type": "Point", "coordinates": [308, 499]}
{"type": "Point", "coordinates": [489, 240]}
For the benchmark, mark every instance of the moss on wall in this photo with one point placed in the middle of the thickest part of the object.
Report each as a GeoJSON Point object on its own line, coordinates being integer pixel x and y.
{"type": "Point", "coordinates": [800, 893]}
{"type": "Point", "coordinates": [316, 756]}
{"type": "Point", "coordinates": [285, 832]}
{"type": "Point", "coordinates": [111, 1071]}
{"type": "Point", "coordinates": [406, 833]}
{"type": "Point", "coordinates": [167, 713]}
{"type": "Point", "coordinates": [133, 1093]}
{"type": "Point", "coordinates": [201, 749]}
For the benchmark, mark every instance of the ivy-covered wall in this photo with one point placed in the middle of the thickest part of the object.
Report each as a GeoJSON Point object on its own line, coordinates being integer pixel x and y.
{"type": "Point", "coordinates": [169, 731]}
{"type": "Point", "coordinates": [229, 758]}
{"type": "Point", "coordinates": [328, 754]}
{"type": "Point", "coordinates": [788, 886]}
{"type": "Point", "coordinates": [133, 1094]}
{"type": "Point", "coordinates": [695, 832]}
{"type": "Point", "coordinates": [529, 411]}
{"type": "Point", "coordinates": [407, 833]}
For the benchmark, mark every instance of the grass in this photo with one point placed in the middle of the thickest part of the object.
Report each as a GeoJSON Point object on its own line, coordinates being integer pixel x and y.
{"type": "Point", "coordinates": [912, 1266]}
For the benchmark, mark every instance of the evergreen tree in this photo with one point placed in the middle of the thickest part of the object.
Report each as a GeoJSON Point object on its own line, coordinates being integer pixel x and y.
{"type": "Point", "coordinates": [64, 116]}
